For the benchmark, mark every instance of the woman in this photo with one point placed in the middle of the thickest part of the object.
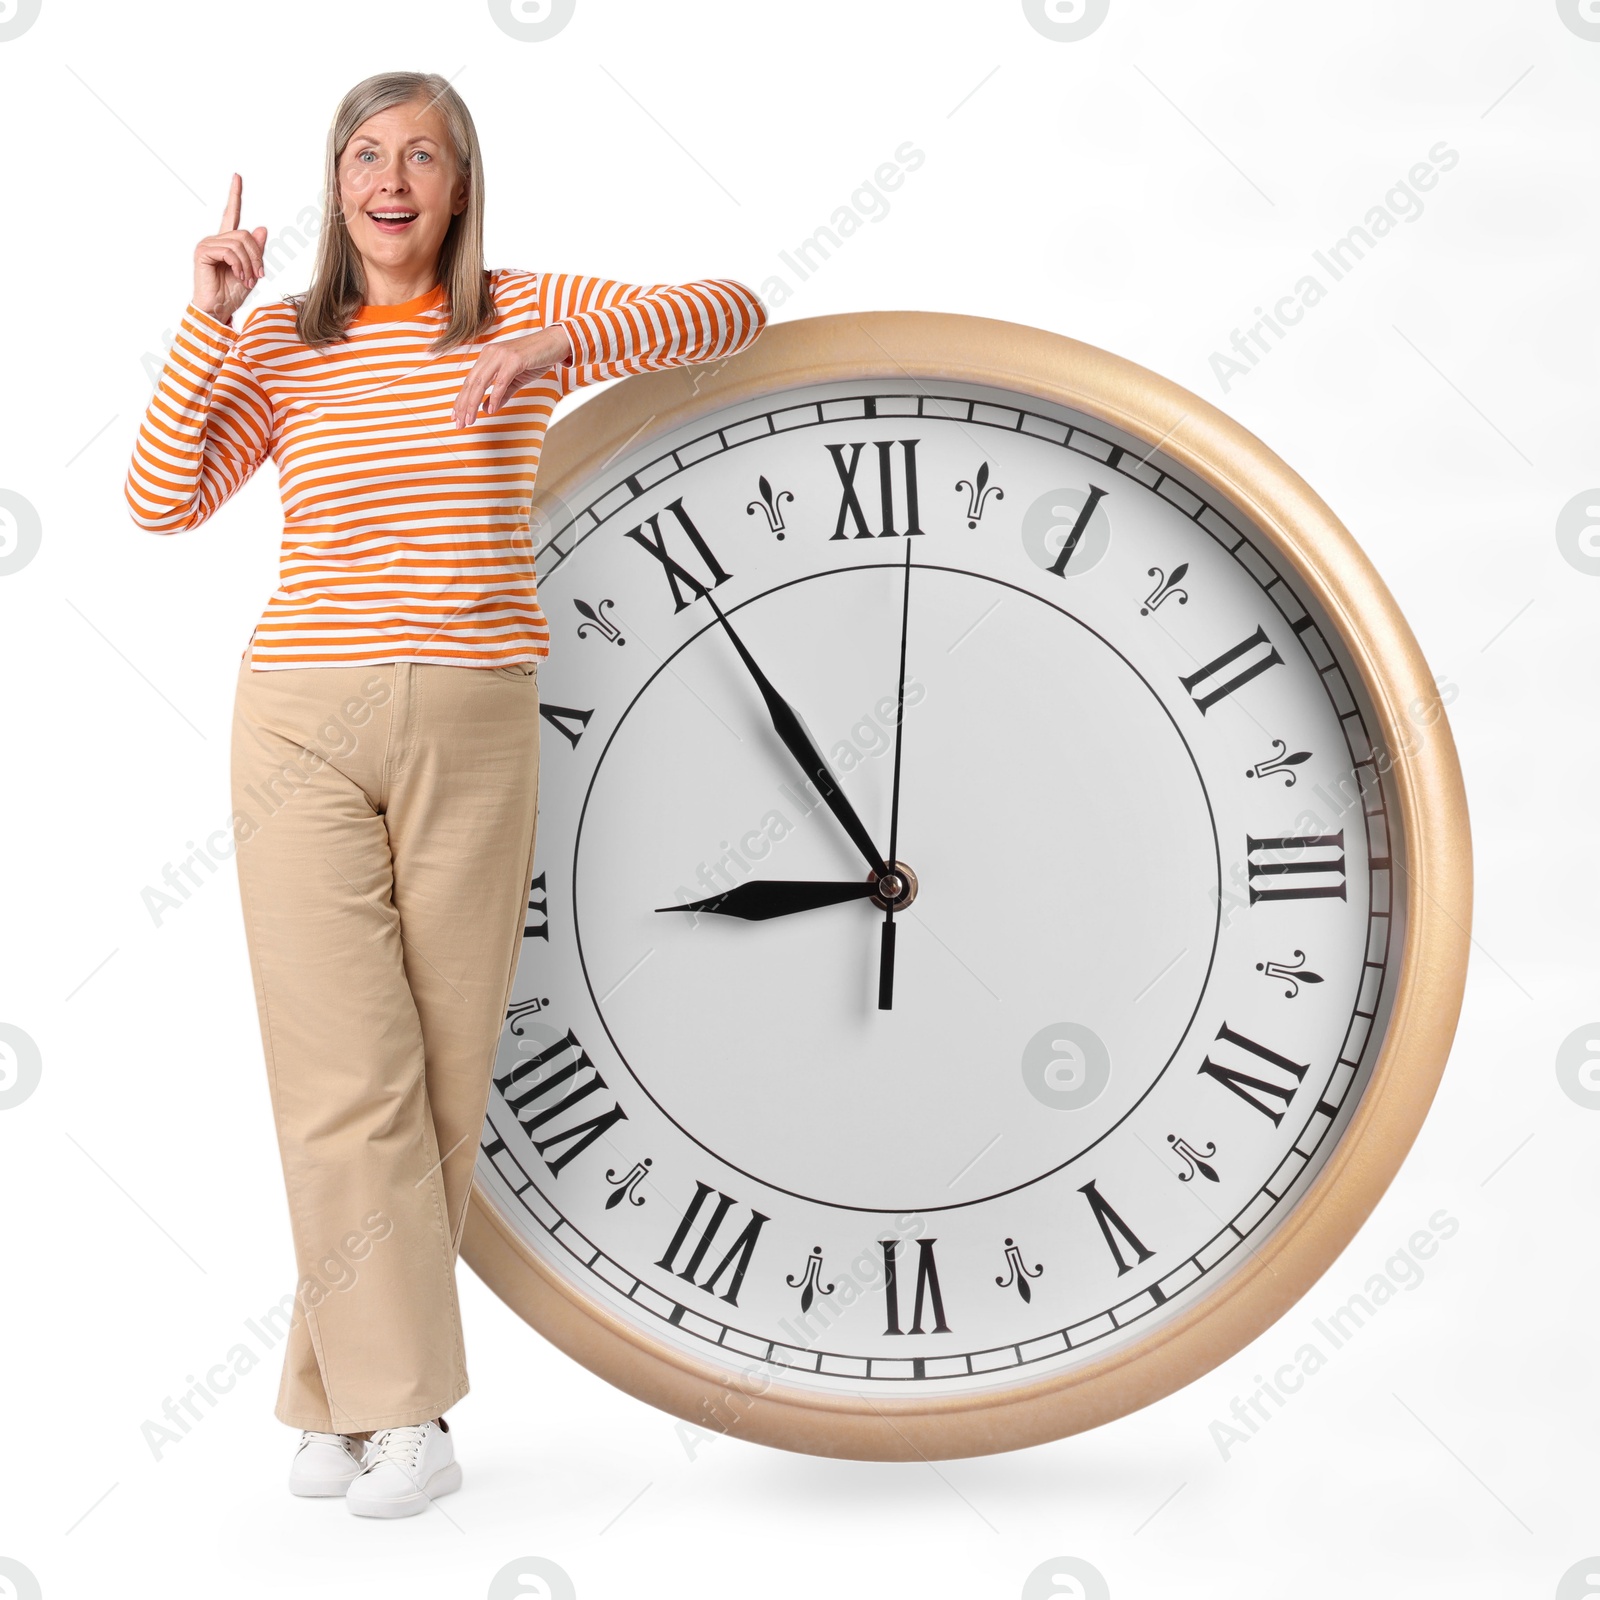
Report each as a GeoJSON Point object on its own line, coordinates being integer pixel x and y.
{"type": "Point", "coordinates": [386, 725]}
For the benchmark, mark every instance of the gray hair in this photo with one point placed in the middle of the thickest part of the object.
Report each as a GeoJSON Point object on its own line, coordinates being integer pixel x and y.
{"type": "Point", "coordinates": [324, 312]}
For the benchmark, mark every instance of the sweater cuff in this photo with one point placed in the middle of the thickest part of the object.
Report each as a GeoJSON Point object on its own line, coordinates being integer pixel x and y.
{"type": "Point", "coordinates": [587, 350]}
{"type": "Point", "coordinates": [208, 329]}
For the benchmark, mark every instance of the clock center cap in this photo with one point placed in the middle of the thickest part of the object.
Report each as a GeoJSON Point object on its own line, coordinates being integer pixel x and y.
{"type": "Point", "coordinates": [896, 887]}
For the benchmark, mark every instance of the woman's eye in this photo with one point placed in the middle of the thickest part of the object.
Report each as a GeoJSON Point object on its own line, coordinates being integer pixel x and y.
{"type": "Point", "coordinates": [424, 154]}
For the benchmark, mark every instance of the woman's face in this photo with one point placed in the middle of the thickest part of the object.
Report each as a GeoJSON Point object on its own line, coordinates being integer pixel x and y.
{"type": "Point", "coordinates": [401, 161]}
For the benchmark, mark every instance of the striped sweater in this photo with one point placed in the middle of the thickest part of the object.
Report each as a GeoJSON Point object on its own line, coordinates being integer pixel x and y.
{"type": "Point", "coordinates": [405, 538]}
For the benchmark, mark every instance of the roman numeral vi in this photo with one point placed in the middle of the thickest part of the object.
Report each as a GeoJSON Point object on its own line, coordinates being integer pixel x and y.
{"type": "Point", "coordinates": [927, 1280]}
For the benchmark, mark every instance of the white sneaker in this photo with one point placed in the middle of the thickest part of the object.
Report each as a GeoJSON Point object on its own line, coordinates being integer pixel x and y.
{"type": "Point", "coordinates": [325, 1463]}
{"type": "Point", "coordinates": [405, 1469]}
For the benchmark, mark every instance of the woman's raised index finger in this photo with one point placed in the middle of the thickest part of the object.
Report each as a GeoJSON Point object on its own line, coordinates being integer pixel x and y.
{"type": "Point", "coordinates": [230, 212]}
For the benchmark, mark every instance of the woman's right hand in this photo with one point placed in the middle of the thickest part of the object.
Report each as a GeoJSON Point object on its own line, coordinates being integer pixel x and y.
{"type": "Point", "coordinates": [229, 264]}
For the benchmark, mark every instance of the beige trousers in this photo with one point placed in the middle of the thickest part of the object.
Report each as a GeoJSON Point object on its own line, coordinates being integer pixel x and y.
{"type": "Point", "coordinates": [385, 820]}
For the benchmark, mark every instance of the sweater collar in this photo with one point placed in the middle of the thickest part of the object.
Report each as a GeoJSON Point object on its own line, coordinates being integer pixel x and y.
{"type": "Point", "coordinates": [404, 310]}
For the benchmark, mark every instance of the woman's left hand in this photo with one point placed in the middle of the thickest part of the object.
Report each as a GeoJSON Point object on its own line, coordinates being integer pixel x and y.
{"type": "Point", "coordinates": [504, 367]}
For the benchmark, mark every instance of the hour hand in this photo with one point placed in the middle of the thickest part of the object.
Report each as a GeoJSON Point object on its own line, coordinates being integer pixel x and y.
{"type": "Point", "coordinates": [760, 899]}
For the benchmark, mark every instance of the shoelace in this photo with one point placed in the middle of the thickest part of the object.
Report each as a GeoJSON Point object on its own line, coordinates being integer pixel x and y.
{"type": "Point", "coordinates": [399, 1445]}
{"type": "Point", "coordinates": [340, 1441]}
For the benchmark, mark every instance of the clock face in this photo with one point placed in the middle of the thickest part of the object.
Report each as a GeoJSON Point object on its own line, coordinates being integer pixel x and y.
{"type": "Point", "coordinates": [1143, 947]}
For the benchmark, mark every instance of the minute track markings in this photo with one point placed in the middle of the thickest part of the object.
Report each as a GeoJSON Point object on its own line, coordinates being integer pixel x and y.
{"type": "Point", "coordinates": [1113, 455]}
{"type": "Point", "coordinates": [1119, 1314]}
{"type": "Point", "coordinates": [1303, 626]}
{"type": "Point", "coordinates": [1110, 454]}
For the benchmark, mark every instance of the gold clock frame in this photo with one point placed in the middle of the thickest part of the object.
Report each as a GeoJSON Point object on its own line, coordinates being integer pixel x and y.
{"type": "Point", "coordinates": [1436, 880]}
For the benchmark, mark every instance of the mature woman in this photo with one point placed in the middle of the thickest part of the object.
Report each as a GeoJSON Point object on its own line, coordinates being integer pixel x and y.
{"type": "Point", "coordinates": [386, 726]}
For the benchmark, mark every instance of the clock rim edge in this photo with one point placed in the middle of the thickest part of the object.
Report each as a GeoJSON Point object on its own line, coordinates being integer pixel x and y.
{"type": "Point", "coordinates": [1437, 886]}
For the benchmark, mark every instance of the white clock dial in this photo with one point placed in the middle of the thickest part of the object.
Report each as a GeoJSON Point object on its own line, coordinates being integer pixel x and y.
{"type": "Point", "coordinates": [1146, 968]}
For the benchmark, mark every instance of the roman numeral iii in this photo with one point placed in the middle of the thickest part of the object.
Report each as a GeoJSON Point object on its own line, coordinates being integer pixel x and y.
{"type": "Point", "coordinates": [1303, 867]}
{"type": "Point", "coordinates": [738, 1253]}
{"type": "Point", "coordinates": [1214, 681]}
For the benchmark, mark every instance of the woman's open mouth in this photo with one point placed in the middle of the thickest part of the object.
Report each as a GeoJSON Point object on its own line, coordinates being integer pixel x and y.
{"type": "Point", "coordinates": [392, 221]}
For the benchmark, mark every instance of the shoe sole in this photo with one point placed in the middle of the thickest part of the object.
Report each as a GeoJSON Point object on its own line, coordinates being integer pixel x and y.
{"type": "Point", "coordinates": [320, 1488]}
{"type": "Point", "coordinates": [445, 1481]}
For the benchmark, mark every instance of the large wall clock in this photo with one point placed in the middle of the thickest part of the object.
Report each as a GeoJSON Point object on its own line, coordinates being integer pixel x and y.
{"type": "Point", "coordinates": [940, 1094]}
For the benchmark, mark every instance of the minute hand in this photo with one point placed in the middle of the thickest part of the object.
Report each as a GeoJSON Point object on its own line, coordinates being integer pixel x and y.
{"type": "Point", "coordinates": [800, 746]}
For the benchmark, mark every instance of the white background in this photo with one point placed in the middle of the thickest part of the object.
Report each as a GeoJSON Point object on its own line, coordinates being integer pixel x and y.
{"type": "Point", "coordinates": [1142, 189]}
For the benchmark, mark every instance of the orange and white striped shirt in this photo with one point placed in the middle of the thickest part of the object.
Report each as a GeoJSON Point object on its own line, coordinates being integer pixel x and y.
{"type": "Point", "coordinates": [405, 538]}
